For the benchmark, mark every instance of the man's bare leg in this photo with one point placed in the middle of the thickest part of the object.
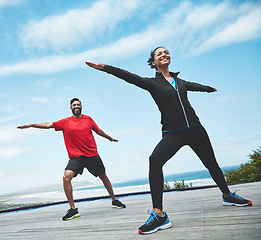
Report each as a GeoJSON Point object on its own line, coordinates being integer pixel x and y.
{"type": "Point", "coordinates": [107, 185]}
{"type": "Point", "coordinates": [67, 186]}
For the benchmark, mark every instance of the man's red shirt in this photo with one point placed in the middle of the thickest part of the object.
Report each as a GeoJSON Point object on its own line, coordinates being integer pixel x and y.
{"type": "Point", "coordinates": [78, 137]}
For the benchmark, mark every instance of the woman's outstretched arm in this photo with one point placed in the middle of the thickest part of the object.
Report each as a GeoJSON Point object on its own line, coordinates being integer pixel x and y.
{"type": "Point", "coordinates": [97, 66]}
{"type": "Point", "coordinates": [192, 86]}
{"type": "Point", "coordinates": [122, 74]}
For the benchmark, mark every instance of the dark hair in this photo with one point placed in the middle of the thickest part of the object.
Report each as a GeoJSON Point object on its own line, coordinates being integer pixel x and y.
{"type": "Point", "coordinates": [75, 99]}
{"type": "Point", "coordinates": [151, 59]}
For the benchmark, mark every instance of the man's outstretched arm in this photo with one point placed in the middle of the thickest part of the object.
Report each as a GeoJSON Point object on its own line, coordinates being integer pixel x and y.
{"type": "Point", "coordinates": [37, 125]}
{"type": "Point", "coordinates": [103, 134]}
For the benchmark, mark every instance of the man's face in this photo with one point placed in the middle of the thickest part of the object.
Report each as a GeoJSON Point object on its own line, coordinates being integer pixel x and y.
{"type": "Point", "coordinates": [76, 108]}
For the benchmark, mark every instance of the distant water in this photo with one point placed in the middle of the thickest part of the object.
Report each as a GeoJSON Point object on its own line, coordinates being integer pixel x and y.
{"type": "Point", "coordinates": [197, 178]}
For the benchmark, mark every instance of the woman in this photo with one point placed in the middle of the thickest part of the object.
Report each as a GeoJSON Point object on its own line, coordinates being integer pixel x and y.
{"type": "Point", "coordinates": [180, 126]}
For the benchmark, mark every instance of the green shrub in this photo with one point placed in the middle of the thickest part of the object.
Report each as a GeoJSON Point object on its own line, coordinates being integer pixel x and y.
{"type": "Point", "coordinates": [248, 172]}
{"type": "Point", "coordinates": [166, 186]}
{"type": "Point", "coordinates": [180, 184]}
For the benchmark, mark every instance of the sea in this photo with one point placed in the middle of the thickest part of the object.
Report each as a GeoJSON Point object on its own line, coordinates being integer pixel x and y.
{"type": "Point", "coordinates": [196, 178]}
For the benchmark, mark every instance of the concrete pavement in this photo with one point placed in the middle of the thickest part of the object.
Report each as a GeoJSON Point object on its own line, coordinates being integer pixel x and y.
{"type": "Point", "coordinates": [195, 214]}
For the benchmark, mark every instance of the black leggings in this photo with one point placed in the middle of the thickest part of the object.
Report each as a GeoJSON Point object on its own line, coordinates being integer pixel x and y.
{"type": "Point", "coordinates": [195, 137]}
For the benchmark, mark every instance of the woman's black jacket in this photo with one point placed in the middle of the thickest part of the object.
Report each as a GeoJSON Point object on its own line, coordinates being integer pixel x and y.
{"type": "Point", "coordinates": [176, 111]}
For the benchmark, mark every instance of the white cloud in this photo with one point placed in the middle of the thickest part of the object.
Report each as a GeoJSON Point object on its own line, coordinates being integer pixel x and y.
{"type": "Point", "coordinates": [246, 28]}
{"type": "Point", "coordinates": [183, 28]}
{"type": "Point", "coordinates": [10, 133]}
{"type": "Point", "coordinates": [8, 119]}
{"type": "Point", "coordinates": [4, 3]}
{"type": "Point", "coordinates": [76, 25]}
{"type": "Point", "coordinates": [13, 151]}
{"type": "Point", "coordinates": [10, 108]}
{"type": "Point", "coordinates": [205, 15]}
{"type": "Point", "coordinates": [11, 138]}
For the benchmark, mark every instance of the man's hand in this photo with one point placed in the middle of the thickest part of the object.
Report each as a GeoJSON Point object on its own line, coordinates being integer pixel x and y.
{"type": "Point", "coordinates": [25, 126]}
{"type": "Point", "coordinates": [103, 134]}
{"type": "Point", "coordinates": [97, 66]}
{"type": "Point", "coordinates": [113, 140]}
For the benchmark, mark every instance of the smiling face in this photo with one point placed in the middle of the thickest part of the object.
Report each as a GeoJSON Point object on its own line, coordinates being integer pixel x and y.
{"type": "Point", "coordinates": [161, 58]}
{"type": "Point", "coordinates": [76, 108]}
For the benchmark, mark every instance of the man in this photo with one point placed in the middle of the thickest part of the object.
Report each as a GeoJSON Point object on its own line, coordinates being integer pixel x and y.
{"type": "Point", "coordinates": [82, 151]}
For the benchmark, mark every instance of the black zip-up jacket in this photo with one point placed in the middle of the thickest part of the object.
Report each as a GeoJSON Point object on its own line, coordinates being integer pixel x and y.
{"type": "Point", "coordinates": [176, 111]}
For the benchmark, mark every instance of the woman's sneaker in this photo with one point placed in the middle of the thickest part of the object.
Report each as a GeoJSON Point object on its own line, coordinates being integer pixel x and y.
{"type": "Point", "coordinates": [71, 213]}
{"type": "Point", "coordinates": [235, 200]}
{"type": "Point", "coordinates": [118, 204]}
{"type": "Point", "coordinates": [155, 223]}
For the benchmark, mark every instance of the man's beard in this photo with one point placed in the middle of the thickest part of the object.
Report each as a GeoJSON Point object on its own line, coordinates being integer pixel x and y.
{"type": "Point", "coordinates": [77, 111]}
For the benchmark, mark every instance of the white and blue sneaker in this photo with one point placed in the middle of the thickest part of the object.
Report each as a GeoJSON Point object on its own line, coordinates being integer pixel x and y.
{"type": "Point", "coordinates": [234, 200]}
{"type": "Point", "coordinates": [155, 223]}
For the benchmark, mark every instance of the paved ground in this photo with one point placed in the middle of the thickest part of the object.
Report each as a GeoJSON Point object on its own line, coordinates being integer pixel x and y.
{"type": "Point", "coordinates": [196, 214]}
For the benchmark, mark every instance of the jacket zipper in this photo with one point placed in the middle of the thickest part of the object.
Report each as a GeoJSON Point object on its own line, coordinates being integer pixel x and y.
{"type": "Point", "coordinates": [182, 106]}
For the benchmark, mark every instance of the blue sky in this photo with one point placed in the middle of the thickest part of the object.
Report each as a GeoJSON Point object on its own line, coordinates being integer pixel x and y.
{"type": "Point", "coordinates": [44, 45]}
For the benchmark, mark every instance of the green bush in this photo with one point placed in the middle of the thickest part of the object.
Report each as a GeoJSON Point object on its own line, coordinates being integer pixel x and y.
{"type": "Point", "coordinates": [248, 172]}
{"type": "Point", "coordinates": [176, 184]}
{"type": "Point", "coordinates": [166, 186]}
{"type": "Point", "coordinates": [181, 184]}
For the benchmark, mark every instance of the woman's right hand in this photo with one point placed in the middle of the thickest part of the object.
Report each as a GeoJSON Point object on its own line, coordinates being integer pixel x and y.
{"type": "Point", "coordinates": [98, 66]}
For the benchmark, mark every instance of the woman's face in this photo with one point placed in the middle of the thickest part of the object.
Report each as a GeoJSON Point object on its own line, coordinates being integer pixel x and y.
{"type": "Point", "coordinates": [161, 58]}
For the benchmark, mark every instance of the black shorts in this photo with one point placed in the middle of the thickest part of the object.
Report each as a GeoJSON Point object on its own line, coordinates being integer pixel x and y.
{"type": "Point", "coordinates": [93, 164]}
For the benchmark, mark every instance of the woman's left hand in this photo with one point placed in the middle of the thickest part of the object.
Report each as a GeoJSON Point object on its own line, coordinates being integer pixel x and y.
{"type": "Point", "coordinates": [97, 66]}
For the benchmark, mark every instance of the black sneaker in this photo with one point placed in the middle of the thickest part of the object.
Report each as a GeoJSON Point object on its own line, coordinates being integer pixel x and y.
{"type": "Point", "coordinates": [71, 213]}
{"type": "Point", "coordinates": [155, 223]}
{"type": "Point", "coordinates": [118, 204]}
{"type": "Point", "coordinates": [235, 200]}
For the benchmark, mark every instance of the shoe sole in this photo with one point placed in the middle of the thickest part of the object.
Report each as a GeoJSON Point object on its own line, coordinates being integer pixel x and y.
{"type": "Point", "coordinates": [237, 204]}
{"type": "Point", "coordinates": [162, 227]}
{"type": "Point", "coordinates": [118, 207]}
{"type": "Point", "coordinates": [74, 216]}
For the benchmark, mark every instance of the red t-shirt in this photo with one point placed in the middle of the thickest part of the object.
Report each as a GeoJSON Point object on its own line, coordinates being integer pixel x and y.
{"type": "Point", "coordinates": [77, 133]}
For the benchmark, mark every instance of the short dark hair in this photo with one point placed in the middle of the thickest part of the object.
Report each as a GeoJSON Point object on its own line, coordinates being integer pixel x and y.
{"type": "Point", "coordinates": [75, 99]}
{"type": "Point", "coordinates": [151, 59]}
